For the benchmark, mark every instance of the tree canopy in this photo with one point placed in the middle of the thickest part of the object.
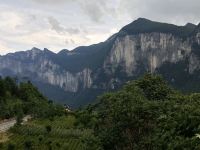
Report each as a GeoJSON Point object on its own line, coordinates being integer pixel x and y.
{"type": "Point", "coordinates": [24, 98]}
{"type": "Point", "coordinates": [145, 114]}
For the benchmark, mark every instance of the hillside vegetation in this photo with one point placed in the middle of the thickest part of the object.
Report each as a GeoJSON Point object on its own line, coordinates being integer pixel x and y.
{"type": "Point", "coordinates": [145, 114]}
{"type": "Point", "coordinates": [45, 134]}
{"type": "Point", "coordinates": [18, 99]}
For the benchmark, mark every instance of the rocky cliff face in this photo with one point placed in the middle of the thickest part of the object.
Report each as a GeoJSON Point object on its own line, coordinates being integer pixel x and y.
{"type": "Point", "coordinates": [54, 75]}
{"type": "Point", "coordinates": [142, 46]}
{"type": "Point", "coordinates": [35, 65]}
{"type": "Point", "coordinates": [151, 49]}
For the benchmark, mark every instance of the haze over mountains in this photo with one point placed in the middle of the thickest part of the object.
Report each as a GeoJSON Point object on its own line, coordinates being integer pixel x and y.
{"type": "Point", "coordinates": [76, 77]}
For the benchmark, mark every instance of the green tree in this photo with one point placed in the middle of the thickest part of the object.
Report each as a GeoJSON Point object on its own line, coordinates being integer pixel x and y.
{"type": "Point", "coordinates": [153, 86]}
{"type": "Point", "coordinates": [48, 128]}
{"type": "Point", "coordinates": [91, 142]}
{"type": "Point", "coordinates": [11, 146]}
{"type": "Point", "coordinates": [146, 114]}
{"type": "Point", "coordinates": [28, 144]}
{"type": "Point", "coordinates": [19, 117]}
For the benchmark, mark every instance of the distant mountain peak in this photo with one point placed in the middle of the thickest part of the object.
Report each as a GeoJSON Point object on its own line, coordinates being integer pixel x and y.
{"type": "Point", "coordinates": [47, 51]}
{"type": "Point", "coordinates": [198, 28]}
{"type": "Point", "coordinates": [64, 51]}
{"type": "Point", "coordinates": [78, 76]}
{"type": "Point", "coordinates": [35, 49]}
{"type": "Point", "coordinates": [141, 20]}
{"type": "Point", "coordinates": [190, 26]}
{"type": "Point", "coordinates": [143, 25]}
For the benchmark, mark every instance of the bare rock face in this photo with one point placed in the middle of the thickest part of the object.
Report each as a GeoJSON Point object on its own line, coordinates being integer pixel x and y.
{"type": "Point", "coordinates": [71, 82]}
{"type": "Point", "coordinates": [150, 49]}
{"type": "Point", "coordinates": [198, 38]}
{"type": "Point", "coordinates": [36, 66]}
{"type": "Point", "coordinates": [194, 63]}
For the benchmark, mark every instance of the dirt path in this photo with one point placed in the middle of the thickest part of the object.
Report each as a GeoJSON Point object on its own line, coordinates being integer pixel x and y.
{"type": "Point", "coordinates": [7, 124]}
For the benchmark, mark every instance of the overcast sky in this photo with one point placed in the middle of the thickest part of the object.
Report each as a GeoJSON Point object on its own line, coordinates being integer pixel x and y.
{"type": "Point", "coordinates": [66, 24]}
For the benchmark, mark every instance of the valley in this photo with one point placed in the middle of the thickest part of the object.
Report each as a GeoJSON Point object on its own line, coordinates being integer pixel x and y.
{"type": "Point", "coordinates": [145, 114]}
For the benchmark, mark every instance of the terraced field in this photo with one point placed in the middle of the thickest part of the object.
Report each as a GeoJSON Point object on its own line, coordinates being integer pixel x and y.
{"type": "Point", "coordinates": [57, 133]}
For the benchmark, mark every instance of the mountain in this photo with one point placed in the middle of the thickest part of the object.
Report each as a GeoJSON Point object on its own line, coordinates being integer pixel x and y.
{"type": "Point", "coordinates": [76, 77]}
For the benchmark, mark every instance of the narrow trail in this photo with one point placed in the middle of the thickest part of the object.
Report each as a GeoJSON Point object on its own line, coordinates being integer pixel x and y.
{"type": "Point", "coordinates": [7, 124]}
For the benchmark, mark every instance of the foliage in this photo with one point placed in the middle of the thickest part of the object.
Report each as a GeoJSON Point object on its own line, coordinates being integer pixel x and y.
{"type": "Point", "coordinates": [11, 146]}
{"type": "Point", "coordinates": [91, 143]}
{"type": "Point", "coordinates": [48, 128]}
{"type": "Point", "coordinates": [19, 117]}
{"type": "Point", "coordinates": [63, 134]}
{"type": "Point", "coordinates": [145, 114]}
{"type": "Point", "coordinates": [17, 99]}
{"type": "Point", "coordinates": [28, 144]}
{"type": "Point", "coordinates": [153, 87]}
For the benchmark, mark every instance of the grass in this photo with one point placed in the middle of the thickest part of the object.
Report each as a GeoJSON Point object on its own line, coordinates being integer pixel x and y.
{"type": "Point", "coordinates": [4, 137]}
{"type": "Point", "coordinates": [64, 122]}
{"type": "Point", "coordinates": [63, 135]}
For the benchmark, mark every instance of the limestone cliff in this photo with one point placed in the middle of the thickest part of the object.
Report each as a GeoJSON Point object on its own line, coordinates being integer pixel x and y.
{"type": "Point", "coordinates": [151, 49]}
{"type": "Point", "coordinates": [35, 65]}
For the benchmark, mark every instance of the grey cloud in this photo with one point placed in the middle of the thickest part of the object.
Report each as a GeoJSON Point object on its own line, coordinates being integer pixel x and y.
{"type": "Point", "coordinates": [175, 6]}
{"type": "Point", "coordinates": [72, 30]}
{"type": "Point", "coordinates": [72, 41]}
{"type": "Point", "coordinates": [90, 20]}
{"type": "Point", "coordinates": [166, 10]}
{"type": "Point", "coordinates": [96, 9]}
{"type": "Point", "coordinates": [69, 41]}
{"type": "Point", "coordinates": [93, 10]}
{"type": "Point", "coordinates": [55, 25]}
{"type": "Point", "coordinates": [174, 11]}
{"type": "Point", "coordinates": [51, 1]}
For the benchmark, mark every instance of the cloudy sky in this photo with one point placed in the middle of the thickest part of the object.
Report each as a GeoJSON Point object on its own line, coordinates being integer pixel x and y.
{"type": "Point", "coordinates": [66, 24]}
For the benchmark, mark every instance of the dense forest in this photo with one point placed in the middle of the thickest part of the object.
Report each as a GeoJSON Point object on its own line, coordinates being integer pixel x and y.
{"type": "Point", "coordinates": [145, 114]}
{"type": "Point", "coordinates": [18, 99]}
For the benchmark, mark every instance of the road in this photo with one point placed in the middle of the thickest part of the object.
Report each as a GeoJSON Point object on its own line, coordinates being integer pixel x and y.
{"type": "Point", "coordinates": [4, 126]}
{"type": "Point", "coordinates": [7, 124]}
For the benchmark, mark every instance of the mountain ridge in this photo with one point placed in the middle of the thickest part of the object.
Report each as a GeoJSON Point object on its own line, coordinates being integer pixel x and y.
{"type": "Point", "coordinates": [141, 46]}
{"type": "Point", "coordinates": [139, 20]}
